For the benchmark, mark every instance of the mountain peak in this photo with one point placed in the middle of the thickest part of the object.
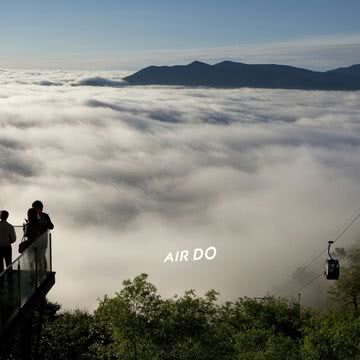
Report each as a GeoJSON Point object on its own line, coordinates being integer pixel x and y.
{"type": "Point", "coordinates": [230, 74]}
{"type": "Point", "coordinates": [227, 62]}
{"type": "Point", "coordinates": [198, 63]}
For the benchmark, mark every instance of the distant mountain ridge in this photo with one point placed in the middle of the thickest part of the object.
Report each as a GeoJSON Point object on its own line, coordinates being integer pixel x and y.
{"type": "Point", "coordinates": [229, 74]}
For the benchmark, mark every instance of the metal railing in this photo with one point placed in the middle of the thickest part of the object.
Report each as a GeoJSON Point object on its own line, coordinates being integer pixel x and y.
{"type": "Point", "coordinates": [21, 279]}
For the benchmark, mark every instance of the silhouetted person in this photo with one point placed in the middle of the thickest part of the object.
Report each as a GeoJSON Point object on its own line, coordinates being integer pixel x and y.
{"type": "Point", "coordinates": [32, 226]}
{"type": "Point", "coordinates": [7, 237]}
{"type": "Point", "coordinates": [44, 219]}
{"type": "Point", "coordinates": [32, 233]}
{"type": "Point", "coordinates": [45, 224]}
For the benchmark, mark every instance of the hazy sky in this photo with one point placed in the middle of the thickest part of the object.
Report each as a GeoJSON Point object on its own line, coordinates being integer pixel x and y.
{"type": "Point", "coordinates": [129, 34]}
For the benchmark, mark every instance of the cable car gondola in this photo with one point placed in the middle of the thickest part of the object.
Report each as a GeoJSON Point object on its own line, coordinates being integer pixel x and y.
{"type": "Point", "coordinates": [332, 266]}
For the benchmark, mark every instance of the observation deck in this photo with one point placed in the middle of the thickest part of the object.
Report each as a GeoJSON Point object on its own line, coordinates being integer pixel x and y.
{"type": "Point", "coordinates": [23, 288]}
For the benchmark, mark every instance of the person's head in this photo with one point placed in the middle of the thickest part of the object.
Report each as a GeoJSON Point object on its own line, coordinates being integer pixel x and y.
{"type": "Point", "coordinates": [38, 206]}
{"type": "Point", "coordinates": [32, 215]}
{"type": "Point", "coordinates": [4, 215]}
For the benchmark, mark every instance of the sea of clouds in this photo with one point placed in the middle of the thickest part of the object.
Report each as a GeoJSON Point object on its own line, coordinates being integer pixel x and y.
{"type": "Point", "coordinates": [129, 174]}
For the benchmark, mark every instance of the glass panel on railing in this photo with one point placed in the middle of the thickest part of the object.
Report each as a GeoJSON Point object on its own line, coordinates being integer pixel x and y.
{"type": "Point", "coordinates": [19, 231]}
{"type": "Point", "coordinates": [9, 294]}
{"type": "Point", "coordinates": [48, 254]}
{"type": "Point", "coordinates": [20, 281]}
{"type": "Point", "coordinates": [28, 273]}
{"type": "Point", "coordinates": [41, 248]}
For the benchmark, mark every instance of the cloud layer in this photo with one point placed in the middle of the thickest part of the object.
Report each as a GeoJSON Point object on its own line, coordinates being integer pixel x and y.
{"type": "Point", "coordinates": [131, 173]}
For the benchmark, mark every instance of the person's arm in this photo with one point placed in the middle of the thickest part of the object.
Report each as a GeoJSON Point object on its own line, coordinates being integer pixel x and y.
{"type": "Point", "coordinates": [50, 224]}
{"type": "Point", "coordinates": [12, 235]}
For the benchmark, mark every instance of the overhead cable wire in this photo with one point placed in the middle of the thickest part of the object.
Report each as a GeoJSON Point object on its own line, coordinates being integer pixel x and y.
{"type": "Point", "coordinates": [354, 219]}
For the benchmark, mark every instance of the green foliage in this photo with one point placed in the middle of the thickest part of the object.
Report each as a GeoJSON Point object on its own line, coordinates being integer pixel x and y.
{"type": "Point", "coordinates": [264, 344]}
{"type": "Point", "coordinates": [335, 335]}
{"type": "Point", "coordinates": [128, 318]}
{"type": "Point", "coordinates": [66, 337]}
{"type": "Point", "coordinates": [137, 324]}
{"type": "Point", "coordinates": [270, 313]}
{"type": "Point", "coordinates": [267, 329]}
{"type": "Point", "coordinates": [346, 291]}
{"type": "Point", "coordinates": [140, 325]}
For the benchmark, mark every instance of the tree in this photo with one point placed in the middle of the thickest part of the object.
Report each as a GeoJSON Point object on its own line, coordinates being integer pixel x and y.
{"type": "Point", "coordinates": [190, 327]}
{"type": "Point", "coordinates": [128, 319]}
{"type": "Point", "coordinates": [334, 335]}
{"type": "Point", "coordinates": [346, 290]}
{"type": "Point", "coordinates": [67, 336]}
{"type": "Point", "coordinates": [138, 324]}
{"type": "Point", "coordinates": [262, 344]}
{"type": "Point", "coordinates": [267, 329]}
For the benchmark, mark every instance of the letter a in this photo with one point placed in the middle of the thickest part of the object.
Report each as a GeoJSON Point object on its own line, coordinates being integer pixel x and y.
{"type": "Point", "coordinates": [169, 258]}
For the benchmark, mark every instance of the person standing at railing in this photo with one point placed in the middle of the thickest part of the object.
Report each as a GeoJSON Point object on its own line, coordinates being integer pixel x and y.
{"type": "Point", "coordinates": [32, 227]}
{"type": "Point", "coordinates": [44, 219]}
{"type": "Point", "coordinates": [45, 225]}
{"type": "Point", "coordinates": [32, 233]}
{"type": "Point", "coordinates": [7, 237]}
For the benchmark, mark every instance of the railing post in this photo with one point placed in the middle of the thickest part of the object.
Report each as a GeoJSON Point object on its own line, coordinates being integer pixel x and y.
{"type": "Point", "coordinates": [50, 247]}
{"type": "Point", "coordinates": [36, 267]}
{"type": "Point", "coordinates": [19, 285]}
